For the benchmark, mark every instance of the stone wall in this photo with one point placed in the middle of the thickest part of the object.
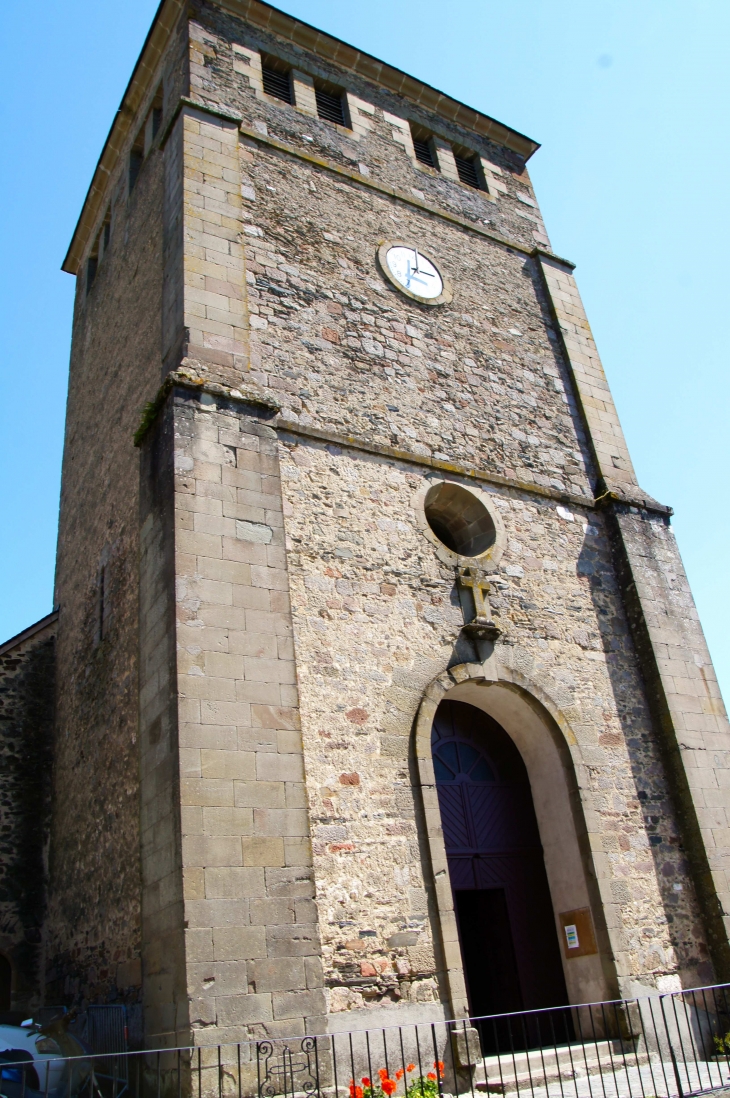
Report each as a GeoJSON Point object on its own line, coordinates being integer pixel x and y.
{"type": "Point", "coordinates": [482, 382]}
{"type": "Point", "coordinates": [688, 710]}
{"type": "Point", "coordinates": [253, 940]}
{"type": "Point", "coordinates": [164, 991]}
{"type": "Point", "coordinates": [376, 618]}
{"type": "Point", "coordinates": [27, 687]}
{"type": "Point", "coordinates": [225, 72]}
{"type": "Point", "coordinates": [345, 351]}
{"type": "Point", "coordinates": [93, 928]}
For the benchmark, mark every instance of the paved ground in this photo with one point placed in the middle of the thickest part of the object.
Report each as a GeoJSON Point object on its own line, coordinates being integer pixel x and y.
{"type": "Point", "coordinates": [652, 1080]}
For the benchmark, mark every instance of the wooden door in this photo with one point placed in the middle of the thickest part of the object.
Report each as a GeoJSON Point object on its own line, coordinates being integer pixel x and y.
{"type": "Point", "coordinates": [506, 922]}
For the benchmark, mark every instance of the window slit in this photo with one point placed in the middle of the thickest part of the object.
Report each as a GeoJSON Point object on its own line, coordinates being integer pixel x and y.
{"type": "Point", "coordinates": [102, 600]}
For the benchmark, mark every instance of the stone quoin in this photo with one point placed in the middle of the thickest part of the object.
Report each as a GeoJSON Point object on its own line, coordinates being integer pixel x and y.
{"type": "Point", "coordinates": [352, 555]}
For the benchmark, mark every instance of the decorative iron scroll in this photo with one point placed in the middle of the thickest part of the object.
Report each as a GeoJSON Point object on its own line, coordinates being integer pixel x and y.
{"type": "Point", "coordinates": [287, 1069]}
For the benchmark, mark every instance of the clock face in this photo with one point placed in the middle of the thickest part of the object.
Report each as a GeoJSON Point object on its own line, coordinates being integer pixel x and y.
{"type": "Point", "coordinates": [414, 272]}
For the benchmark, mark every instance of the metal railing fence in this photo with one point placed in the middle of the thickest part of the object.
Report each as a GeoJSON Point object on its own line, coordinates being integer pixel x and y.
{"type": "Point", "coordinates": [665, 1046]}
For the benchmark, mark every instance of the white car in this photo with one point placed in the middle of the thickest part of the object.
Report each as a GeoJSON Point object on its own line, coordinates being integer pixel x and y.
{"type": "Point", "coordinates": [40, 1054]}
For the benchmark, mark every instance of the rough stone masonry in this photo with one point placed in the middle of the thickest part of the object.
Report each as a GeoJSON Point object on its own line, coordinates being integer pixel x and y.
{"type": "Point", "coordinates": [257, 619]}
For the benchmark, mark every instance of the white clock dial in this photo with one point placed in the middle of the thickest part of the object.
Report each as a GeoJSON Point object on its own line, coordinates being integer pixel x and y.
{"type": "Point", "coordinates": [414, 272]}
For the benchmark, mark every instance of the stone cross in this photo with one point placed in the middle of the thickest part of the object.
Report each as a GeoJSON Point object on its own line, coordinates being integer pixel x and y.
{"type": "Point", "coordinates": [476, 580]}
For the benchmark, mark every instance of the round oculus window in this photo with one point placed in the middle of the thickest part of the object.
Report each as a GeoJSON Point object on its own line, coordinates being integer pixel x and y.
{"type": "Point", "coordinates": [459, 519]}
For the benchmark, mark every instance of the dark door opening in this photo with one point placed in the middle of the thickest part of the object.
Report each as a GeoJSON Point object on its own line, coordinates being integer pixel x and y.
{"type": "Point", "coordinates": [507, 931]}
{"type": "Point", "coordinates": [493, 983]}
{"type": "Point", "coordinates": [6, 982]}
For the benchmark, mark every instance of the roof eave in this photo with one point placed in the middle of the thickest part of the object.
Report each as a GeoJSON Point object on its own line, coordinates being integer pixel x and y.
{"type": "Point", "coordinates": [302, 34]}
{"type": "Point", "coordinates": [364, 64]}
{"type": "Point", "coordinates": [163, 23]}
{"type": "Point", "coordinates": [30, 631]}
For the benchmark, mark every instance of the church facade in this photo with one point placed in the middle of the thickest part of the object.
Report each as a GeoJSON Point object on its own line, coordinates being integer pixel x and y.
{"type": "Point", "coordinates": [380, 694]}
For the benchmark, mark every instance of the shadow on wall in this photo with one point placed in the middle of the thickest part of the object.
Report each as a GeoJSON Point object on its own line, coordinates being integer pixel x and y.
{"type": "Point", "coordinates": [433, 915]}
{"type": "Point", "coordinates": [6, 983]}
{"type": "Point", "coordinates": [609, 632]}
{"type": "Point", "coordinates": [463, 651]}
{"type": "Point", "coordinates": [26, 756]}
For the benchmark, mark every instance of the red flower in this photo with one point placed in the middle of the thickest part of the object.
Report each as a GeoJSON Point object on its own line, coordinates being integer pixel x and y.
{"type": "Point", "coordinates": [365, 1081]}
{"type": "Point", "coordinates": [383, 1074]}
{"type": "Point", "coordinates": [389, 1086]}
{"type": "Point", "coordinates": [410, 1067]}
{"type": "Point", "coordinates": [355, 1092]}
{"type": "Point", "coordinates": [431, 1076]}
{"type": "Point", "coordinates": [399, 1073]}
{"type": "Point", "coordinates": [439, 1065]}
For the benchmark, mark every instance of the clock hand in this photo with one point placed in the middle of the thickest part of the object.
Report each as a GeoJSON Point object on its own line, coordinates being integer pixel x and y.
{"type": "Point", "coordinates": [419, 270]}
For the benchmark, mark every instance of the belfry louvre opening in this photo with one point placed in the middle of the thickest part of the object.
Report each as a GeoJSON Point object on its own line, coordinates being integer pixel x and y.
{"type": "Point", "coordinates": [330, 105]}
{"type": "Point", "coordinates": [422, 146]}
{"type": "Point", "coordinates": [277, 80]}
{"type": "Point", "coordinates": [467, 169]}
{"type": "Point", "coordinates": [423, 152]}
{"type": "Point", "coordinates": [459, 520]}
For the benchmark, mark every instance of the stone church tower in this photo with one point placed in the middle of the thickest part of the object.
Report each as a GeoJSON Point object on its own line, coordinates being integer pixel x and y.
{"type": "Point", "coordinates": [381, 694]}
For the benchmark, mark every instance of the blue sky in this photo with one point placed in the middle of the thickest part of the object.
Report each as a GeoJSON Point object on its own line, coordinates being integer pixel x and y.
{"type": "Point", "coordinates": [629, 101]}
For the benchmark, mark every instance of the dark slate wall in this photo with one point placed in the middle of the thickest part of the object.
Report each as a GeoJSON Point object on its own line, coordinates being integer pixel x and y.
{"type": "Point", "coordinates": [27, 689]}
{"type": "Point", "coordinates": [93, 923]}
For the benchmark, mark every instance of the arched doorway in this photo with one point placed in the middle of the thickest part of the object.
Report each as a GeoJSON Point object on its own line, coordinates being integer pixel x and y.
{"type": "Point", "coordinates": [6, 983]}
{"type": "Point", "coordinates": [504, 912]}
